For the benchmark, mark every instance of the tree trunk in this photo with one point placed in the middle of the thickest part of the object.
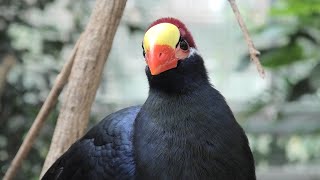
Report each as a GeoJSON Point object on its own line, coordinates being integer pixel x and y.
{"type": "Point", "coordinates": [85, 77]}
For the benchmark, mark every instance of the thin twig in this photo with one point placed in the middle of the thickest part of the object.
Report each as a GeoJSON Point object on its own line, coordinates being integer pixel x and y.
{"type": "Point", "coordinates": [254, 53]}
{"type": "Point", "coordinates": [45, 110]}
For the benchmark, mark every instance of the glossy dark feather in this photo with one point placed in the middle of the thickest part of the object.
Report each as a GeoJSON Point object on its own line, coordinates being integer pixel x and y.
{"type": "Point", "coordinates": [105, 152]}
{"type": "Point", "coordinates": [187, 130]}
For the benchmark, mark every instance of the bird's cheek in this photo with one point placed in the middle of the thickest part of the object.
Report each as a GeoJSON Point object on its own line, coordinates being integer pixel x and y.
{"type": "Point", "coordinates": [181, 54]}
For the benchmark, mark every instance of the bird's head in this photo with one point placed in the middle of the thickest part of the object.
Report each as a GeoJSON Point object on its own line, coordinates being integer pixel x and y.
{"type": "Point", "coordinates": [173, 63]}
{"type": "Point", "coordinates": [166, 41]}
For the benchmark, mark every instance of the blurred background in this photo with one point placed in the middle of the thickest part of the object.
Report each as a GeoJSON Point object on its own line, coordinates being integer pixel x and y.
{"type": "Point", "coordinates": [280, 114]}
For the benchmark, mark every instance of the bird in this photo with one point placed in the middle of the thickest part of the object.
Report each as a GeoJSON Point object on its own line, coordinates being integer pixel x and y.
{"type": "Point", "coordinates": [184, 130]}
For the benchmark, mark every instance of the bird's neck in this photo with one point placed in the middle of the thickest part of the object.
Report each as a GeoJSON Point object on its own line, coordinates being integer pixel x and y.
{"type": "Point", "coordinates": [173, 124]}
{"type": "Point", "coordinates": [175, 93]}
{"type": "Point", "coordinates": [188, 76]}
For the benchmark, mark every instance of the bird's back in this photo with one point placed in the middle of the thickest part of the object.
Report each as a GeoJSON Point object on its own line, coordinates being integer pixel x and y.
{"type": "Point", "coordinates": [105, 152]}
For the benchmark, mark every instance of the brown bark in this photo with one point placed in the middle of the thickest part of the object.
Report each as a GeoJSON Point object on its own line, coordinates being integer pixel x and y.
{"type": "Point", "coordinates": [85, 77]}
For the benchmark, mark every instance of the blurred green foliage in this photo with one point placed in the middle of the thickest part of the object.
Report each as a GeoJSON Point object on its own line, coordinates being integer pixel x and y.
{"type": "Point", "coordinates": [284, 121]}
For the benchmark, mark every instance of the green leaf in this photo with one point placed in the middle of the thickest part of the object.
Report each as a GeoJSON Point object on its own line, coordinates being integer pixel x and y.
{"type": "Point", "coordinates": [296, 7]}
{"type": "Point", "coordinates": [282, 56]}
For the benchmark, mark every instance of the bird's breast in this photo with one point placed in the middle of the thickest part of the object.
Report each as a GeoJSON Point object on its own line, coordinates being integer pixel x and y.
{"type": "Point", "coordinates": [173, 144]}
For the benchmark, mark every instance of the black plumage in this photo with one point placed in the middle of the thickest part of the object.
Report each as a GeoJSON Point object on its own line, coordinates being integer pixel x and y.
{"type": "Point", "coordinates": [184, 130]}
{"type": "Point", "coordinates": [105, 152]}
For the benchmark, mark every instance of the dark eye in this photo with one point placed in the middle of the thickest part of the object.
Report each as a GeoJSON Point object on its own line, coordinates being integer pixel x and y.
{"type": "Point", "coordinates": [184, 45]}
{"type": "Point", "coordinates": [143, 52]}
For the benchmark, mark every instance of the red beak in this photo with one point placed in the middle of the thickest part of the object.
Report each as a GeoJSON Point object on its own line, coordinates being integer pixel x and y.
{"type": "Point", "coordinates": [161, 58]}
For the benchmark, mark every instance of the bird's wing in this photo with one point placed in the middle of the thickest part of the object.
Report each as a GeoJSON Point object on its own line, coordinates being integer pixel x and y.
{"type": "Point", "coordinates": [105, 152]}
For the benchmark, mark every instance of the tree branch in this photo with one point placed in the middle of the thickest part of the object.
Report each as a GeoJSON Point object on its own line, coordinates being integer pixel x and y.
{"type": "Point", "coordinates": [44, 112]}
{"type": "Point", "coordinates": [85, 77]}
{"type": "Point", "coordinates": [254, 53]}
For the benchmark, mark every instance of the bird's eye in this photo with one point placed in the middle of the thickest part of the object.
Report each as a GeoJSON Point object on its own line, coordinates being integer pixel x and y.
{"type": "Point", "coordinates": [143, 52]}
{"type": "Point", "coordinates": [184, 45]}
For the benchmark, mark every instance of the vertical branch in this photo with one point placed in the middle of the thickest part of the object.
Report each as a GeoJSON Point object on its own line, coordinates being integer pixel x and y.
{"type": "Point", "coordinates": [254, 53]}
{"type": "Point", "coordinates": [85, 77]}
